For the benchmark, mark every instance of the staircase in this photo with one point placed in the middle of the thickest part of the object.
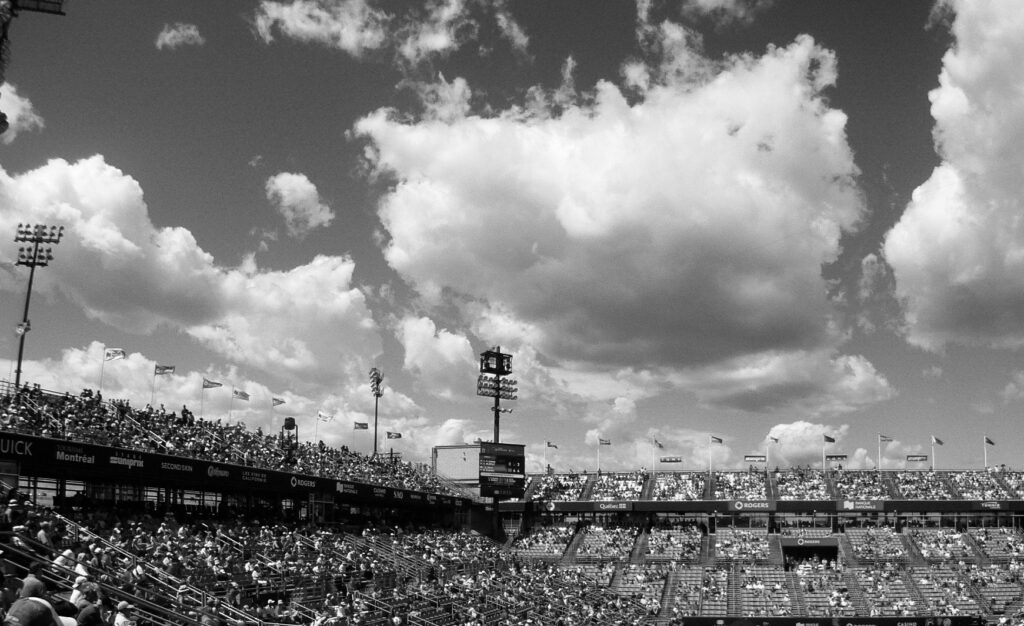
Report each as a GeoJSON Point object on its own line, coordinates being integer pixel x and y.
{"type": "Point", "coordinates": [735, 602]}
{"type": "Point", "coordinates": [775, 556]}
{"type": "Point", "coordinates": [860, 603]}
{"type": "Point", "coordinates": [914, 556]}
{"type": "Point", "coordinates": [846, 551]}
{"type": "Point", "coordinates": [796, 593]}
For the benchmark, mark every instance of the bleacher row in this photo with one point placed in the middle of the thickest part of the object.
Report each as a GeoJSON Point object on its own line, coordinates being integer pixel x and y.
{"type": "Point", "coordinates": [677, 571]}
{"type": "Point", "coordinates": [781, 484]}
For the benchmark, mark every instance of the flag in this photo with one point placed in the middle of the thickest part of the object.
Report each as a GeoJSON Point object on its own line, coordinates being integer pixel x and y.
{"type": "Point", "coordinates": [360, 425]}
{"type": "Point", "coordinates": [884, 438]}
{"type": "Point", "coordinates": [160, 370]}
{"type": "Point", "coordinates": [211, 384]}
{"type": "Point", "coordinates": [716, 439]}
{"type": "Point", "coordinates": [659, 444]}
{"type": "Point", "coordinates": [112, 354]}
{"type": "Point", "coordinates": [551, 445]}
{"type": "Point", "coordinates": [277, 401]}
{"type": "Point", "coordinates": [604, 442]}
{"type": "Point", "coordinates": [238, 393]}
{"type": "Point", "coordinates": [324, 417]}
{"type": "Point", "coordinates": [392, 435]}
{"type": "Point", "coordinates": [936, 441]}
{"type": "Point", "coordinates": [775, 439]}
{"type": "Point", "coordinates": [829, 439]}
{"type": "Point", "coordinates": [989, 441]}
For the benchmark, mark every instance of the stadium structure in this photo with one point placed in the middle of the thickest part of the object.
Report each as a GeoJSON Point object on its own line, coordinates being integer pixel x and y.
{"type": "Point", "coordinates": [194, 521]}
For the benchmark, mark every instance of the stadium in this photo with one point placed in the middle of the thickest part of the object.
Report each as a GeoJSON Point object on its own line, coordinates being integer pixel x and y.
{"type": "Point", "coordinates": [193, 521]}
{"type": "Point", "coordinates": [744, 229]}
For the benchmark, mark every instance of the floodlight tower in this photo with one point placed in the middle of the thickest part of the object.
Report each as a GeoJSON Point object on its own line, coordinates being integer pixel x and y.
{"type": "Point", "coordinates": [8, 11]}
{"type": "Point", "coordinates": [494, 366]}
{"type": "Point", "coordinates": [377, 389]}
{"type": "Point", "coordinates": [32, 257]}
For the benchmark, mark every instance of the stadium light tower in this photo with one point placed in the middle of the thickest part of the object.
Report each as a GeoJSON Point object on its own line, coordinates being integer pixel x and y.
{"type": "Point", "coordinates": [377, 389]}
{"type": "Point", "coordinates": [494, 366]}
{"type": "Point", "coordinates": [32, 257]}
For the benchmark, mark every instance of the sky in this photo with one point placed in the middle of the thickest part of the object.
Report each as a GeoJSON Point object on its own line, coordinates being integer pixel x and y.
{"type": "Point", "coordinates": [686, 221]}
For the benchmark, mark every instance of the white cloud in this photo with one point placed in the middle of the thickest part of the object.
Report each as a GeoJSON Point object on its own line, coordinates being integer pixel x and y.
{"type": "Point", "coordinates": [440, 359]}
{"type": "Point", "coordinates": [174, 36]}
{"type": "Point", "coordinates": [958, 250]}
{"type": "Point", "coordinates": [686, 231]}
{"type": "Point", "coordinates": [727, 11]}
{"type": "Point", "coordinates": [298, 202]}
{"type": "Point", "coordinates": [445, 26]}
{"type": "Point", "coordinates": [1014, 390]}
{"type": "Point", "coordinates": [416, 33]}
{"type": "Point", "coordinates": [122, 270]}
{"type": "Point", "coordinates": [349, 25]}
{"type": "Point", "coordinates": [21, 116]}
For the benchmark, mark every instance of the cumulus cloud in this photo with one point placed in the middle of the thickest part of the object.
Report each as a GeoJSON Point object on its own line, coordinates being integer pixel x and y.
{"type": "Point", "coordinates": [439, 358]}
{"type": "Point", "coordinates": [727, 11]}
{"type": "Point", "coordinates": [1014, 390]}
{"type": "Point", "coordinates": [296, 198]}
{"type": "Point", "coordinates": [174, 36]}
{"type": "Point", "coordinates": [122, 270]}
{"type": "Point", "coordinates": [958, 250]}
{"type": "Point", "coordinates": [685, 231]}
{"type": "Point", "coordinates": [352, 26]}
{"type": "Point", "coordinates": [21, 116]}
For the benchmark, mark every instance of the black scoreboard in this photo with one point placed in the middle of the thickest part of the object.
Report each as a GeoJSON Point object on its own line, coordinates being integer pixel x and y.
{"type": "Point", "coordinates": [502, 470]}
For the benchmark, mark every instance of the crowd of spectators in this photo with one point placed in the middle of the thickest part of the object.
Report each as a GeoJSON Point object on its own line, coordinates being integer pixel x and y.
{"type": "Point", "coordinates": [88, 418]}
{"type": "Point", "coordinates": [557, 487]}
{"type": "Point", "coordinates": [885, 591]}
{"type": "Point", "coordinates": [678, 542]}
{"type": "Point", "coordinates": [546, 541]}
{"type": "Point", "coordinates": [1001, 544]}
{"type": "Point", "coordinates": [823, 586]}
{"type": "Point", "coordinates": [922, 485]}
{"type": "Point", "coordinates": [801, 483]}
{"type": "Point", "coordinates": [745, 546]}
{"type": "Point", "coordinates": [977, 486]}
{"type": "Point", "coordinates": [680, 486]}
{"type": "Point", "coordinates": [606, 542]}
{"type": "Point", "coordinates": [945, 592]}
{"type": "Point", "coordinates": [876, 543]}
{"type": "Point", "coordinates": [941, 544]}
{"type": "Point", "coordinates": [750, 485]}
{"type": "Point", "coordinates": [860, 485]}
{"type": "Point", "coordinates": [618, 486]}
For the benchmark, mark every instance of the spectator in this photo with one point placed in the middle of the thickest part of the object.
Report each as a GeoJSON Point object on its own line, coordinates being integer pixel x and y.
{"type": "Point", "coordinates": [35, 611]}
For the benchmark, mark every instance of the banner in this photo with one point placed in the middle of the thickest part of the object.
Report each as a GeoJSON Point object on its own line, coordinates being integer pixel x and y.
{"type": "Point", "coordinates": [835, 457]}
{"type": "Point", "coordinates": [670, 459]}
{"type": "Point", "coordinates": [755, 458]}
{"type": "Point", "coordinates": [917, 457]}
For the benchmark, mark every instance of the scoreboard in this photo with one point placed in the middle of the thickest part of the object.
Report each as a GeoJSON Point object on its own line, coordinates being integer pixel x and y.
{"type": "Point", "coordinates": [502, 470]}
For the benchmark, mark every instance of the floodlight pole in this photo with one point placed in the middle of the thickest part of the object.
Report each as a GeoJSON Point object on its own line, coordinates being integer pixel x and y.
{"type": "Point", "coordinates": [377, 389]}
{"type": "Point", "coordinates": [32, 258]}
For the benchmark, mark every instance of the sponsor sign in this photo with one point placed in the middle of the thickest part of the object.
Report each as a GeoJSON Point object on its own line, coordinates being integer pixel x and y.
{"type": "Point", "coordinates": [750, 505]}
{"type": "Point", "coordinates": [917, 457]}
{"type": "Point", "coordinates": [755, 458]}
{"type": "Point", "coordinates": [835, 457]}
{"type": "Point", "coordinates": [670, 459]}
{"type": "Point", "coordinates": [862, 505]}
{"type": "Point", "coordinates": [809, 542]}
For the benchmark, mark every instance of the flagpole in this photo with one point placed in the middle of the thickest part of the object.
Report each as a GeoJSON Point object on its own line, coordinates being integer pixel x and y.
{"type": "Point", "coordinates": [598, 455]}
{"type": "Point", "coordinates": [152, 388]}
{"type": "Point", "coordinates": [879, 452]}
{"type": "Point", "coordinates": [933, 454]}
{"type": "Point", "coordinates": [231, 403]}
{"type": "Point", "coordinates": [103, 362]}
{"type": "Point", "coordinates": [823, 457]}
{"type": "Point", "coordinates": [767, 446]}
{"type": "Point", "coordinates": [984, 447]}
{"type": "Point", "coordinates": [709, 457]}
{"type": "Point", "coordinates": [202, 399]}
{"type": "Point", "coordinates": [544, 467]}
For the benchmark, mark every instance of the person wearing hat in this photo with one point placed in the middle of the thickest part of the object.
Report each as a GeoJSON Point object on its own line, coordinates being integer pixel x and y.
{"type": "Point", "coordinates": [77, 589]}
{"type": "Point", "coordinates": [125, 614]}
{"type": "Point", "coordinates": [65, 561]}
{"type": "Point", "coordinates": [35, 612]}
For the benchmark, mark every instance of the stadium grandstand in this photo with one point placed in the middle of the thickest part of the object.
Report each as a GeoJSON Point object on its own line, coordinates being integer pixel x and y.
{"type": "Point", "coordinates": [123, 515]}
